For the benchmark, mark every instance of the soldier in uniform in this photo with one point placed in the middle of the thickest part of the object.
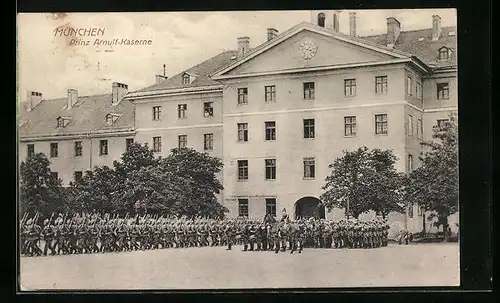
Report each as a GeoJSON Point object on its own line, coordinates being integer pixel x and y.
{"type": "Point", "coordinates": [48, 235]}
{"type": "Point", "coordinates": [229, 234]}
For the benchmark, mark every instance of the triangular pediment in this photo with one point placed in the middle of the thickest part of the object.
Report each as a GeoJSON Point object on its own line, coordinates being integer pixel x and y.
{"type": "Point", "coordinates": [306, 47]}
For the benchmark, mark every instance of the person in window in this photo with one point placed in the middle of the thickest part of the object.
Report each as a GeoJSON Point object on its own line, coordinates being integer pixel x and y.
{"type": "Point", "coordinates": [284, 216]}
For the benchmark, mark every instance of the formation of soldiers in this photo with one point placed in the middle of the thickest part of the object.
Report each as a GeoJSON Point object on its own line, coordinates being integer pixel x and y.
{"type": "Point", "coordinates": [93, 233]}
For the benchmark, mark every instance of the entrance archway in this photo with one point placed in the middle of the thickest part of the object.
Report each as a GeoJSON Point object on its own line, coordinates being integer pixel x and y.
{"type": "Point", "coordinates": [308, 207]}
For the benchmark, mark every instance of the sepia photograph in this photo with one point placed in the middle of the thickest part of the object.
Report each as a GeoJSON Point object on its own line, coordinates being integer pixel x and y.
{"type": "Point", "coordinates": [237, 150]}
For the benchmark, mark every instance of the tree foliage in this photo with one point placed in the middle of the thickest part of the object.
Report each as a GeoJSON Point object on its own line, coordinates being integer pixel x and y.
{"type": "Point", "coordinates": [183, 183]}
{"type": "Point", "coordinates": [39, 189]}
{"type": "Point", "coordinates": [434, 185]}
{"type": "Point", "coordinates": [364, 180]}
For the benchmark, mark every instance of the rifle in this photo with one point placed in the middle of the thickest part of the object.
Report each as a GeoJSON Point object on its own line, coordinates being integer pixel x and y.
{"type": "Point", "coordinates": [51, 216]}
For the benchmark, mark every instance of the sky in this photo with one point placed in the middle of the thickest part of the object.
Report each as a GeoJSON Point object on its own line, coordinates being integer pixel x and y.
{"type": "Point", "coordinates": [180, 40]}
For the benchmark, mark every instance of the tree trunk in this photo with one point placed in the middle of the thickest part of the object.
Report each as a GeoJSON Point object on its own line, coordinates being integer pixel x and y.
{"type": "Point", "coordinates": [423, 222]}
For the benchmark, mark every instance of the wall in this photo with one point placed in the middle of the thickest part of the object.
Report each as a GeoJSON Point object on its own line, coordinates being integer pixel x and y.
{"type": "Point", "coordinates": [328, 109]}
{"type": "Point", "coordinates": [66, 163]}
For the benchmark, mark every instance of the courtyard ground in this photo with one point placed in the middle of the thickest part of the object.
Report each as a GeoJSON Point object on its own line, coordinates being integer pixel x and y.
{"type": "Point", "coordinates": [216, 268]}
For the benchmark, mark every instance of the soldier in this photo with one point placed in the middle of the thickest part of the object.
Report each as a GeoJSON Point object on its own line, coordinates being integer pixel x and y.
{"type": "Point", "coordinates": [93, 237]}
{"type": "Point", "coordinates": [48, 235]}
{"type": "Point", "coordinates": [121, 236]}
{"type": "Point", "coordinates": [229, 234]}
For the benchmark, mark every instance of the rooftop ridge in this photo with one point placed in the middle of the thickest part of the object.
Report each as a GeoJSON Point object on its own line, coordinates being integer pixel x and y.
{"type": "Point", "coordinates": [410, 31]}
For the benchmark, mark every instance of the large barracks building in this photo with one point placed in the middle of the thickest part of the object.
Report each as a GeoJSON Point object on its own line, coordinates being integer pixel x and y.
{"type": "Point", "coordinates": [277, 113]}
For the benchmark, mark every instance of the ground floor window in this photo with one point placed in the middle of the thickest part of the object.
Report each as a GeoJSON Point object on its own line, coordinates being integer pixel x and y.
{"type": "Point", "coordinates": [271, 207]}
{"type": "Point", "coordinates": [243, 207]}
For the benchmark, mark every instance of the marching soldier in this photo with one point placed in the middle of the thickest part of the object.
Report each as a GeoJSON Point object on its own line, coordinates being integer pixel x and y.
{"type": "Point", "coordinates": [48, 235]}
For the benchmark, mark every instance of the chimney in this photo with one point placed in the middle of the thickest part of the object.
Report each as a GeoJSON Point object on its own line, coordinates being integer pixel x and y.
{"type": "Point", "coordinates": [243, 46]}
{"type": "Point", "coordinates": [393, 29]}
{"type": "Point", "coordinates": [352, 24]}
{"type": "Point", "coordinates": [436, 27]}
{"type": "Point", "coordinates": [271, 33]}
{"type": "Point", "coordinates": [161, 78]}
{"type": "Point", "coordinates": [72, 97]}
{"type": "Point", "coordinates": [118, 92]}
{"type": "Point", "coordinates": [336, 27]}
{"type": "Point", "coordinates": [34, 98]}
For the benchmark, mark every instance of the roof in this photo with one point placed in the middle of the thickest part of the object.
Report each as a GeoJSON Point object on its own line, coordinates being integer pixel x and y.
{"type": "Point", "coordinates": [408, 44]}
{"type": "Point", "coordinates": [87, 115]}
{"type": "Point", "coordinates": [202, 70]}
{"type": "Point", "coordinates": [426, 50]}
{"type": "Point", "coordinates": [313, 27]}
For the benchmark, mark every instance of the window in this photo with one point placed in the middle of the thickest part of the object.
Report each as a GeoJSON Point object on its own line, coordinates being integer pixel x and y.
{"type": "Point", "coordinates": [270, 169]}
{"type": "Point", "coordinates": [156, 113]}
{"type": "Point", "coordinates": [156, 144]}
{"type": "Point", "coordinates": [350, 126]}
{"type": "Point", "coordinates": [54, 175]}
{"type": "Point", "coordinates": [185, 79]}
{"type": "Point", "coordinates": [270, 130]}
{"type": "Point", "coordinates": [410, 125]}
{"type": "Point", "coordinates": [103, 147]}
{"type": "Point", "coordinates": [271, 206]}
{"type": "Point", "coordinates": [418, 90]}
{"type": "Point", "coordinates": [410, 163]}
{"type": "Point", "coordinates": [321, 19]}
{"type": "Point", "coordinates": [443, 91]}
{"type": "Point", "coordinates": [270, 93]}
{"type": "Point", "coordinates": [420, 129]}
{"type": "Point", "coordinates": [181, 111]}
{"type": "Point", "coordinates": [242, 170]}
{"type": "Point", "coordinates": [243, 207]}
{"type": "Point", "coordinates": [242, 132]}
{"type": "Point", "coordinates": [78, 176]}
{"type": "Point", "coordinates": [31, 150]}
{"type": "Point", "coordinates": [182, 141]}
{"type": "Point", "coordinates": [441, 123]}
{"type": "Point", "coordinates": [309, 164]}
{"type": "Point", "coordinates": [243, 95]}
{"type": "Point", "coordinates": [444, 53]}
{"type": "Point", "coordinates": [128, 143]}
{"type": "Point", "coordinates": [381, 85]}
{"type": "Point", "coordinates": [381, 124]}
{"type": "Point", "coordinates": [109, 119]}
{"type": "Point", "coordinates": [60, 122]}
{"type": "Point", "coordinates": [78, 148]}
{"type": "Point", "coordinates": [208, 141]}
{"type": "Point", "coordinates": [349, 87]}
{"type": "Point", "coordinates": [309, 90]}
{"type": "Point", "coordinates": [54, 152]}
{"type": "Point", "coordinates": [409, 86]}
{"type": "Point", "coordinates": [309, 128]}
{"type": "Point", "coordinates": [208, 109]}
{"type": "Point", "coordinates": [410, 210]}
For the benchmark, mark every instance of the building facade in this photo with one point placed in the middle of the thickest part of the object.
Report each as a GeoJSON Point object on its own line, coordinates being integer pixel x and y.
{"type": "Point", "coordinates": [278, 114]}
{"type": "Point", "coordinates": [77, 133]}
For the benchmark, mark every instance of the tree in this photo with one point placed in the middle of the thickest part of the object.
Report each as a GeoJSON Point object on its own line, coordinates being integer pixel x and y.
{"type": "Point", "coordinates": [97, 189]}
{"type": "Point", "coordinates": [196, 174]}
{"type": "Point", "coordinates": [39, 189]}
{"type": "Point", "coordinates": [363, 180]}
{"type": "Point", "coordinates": [434, 185]}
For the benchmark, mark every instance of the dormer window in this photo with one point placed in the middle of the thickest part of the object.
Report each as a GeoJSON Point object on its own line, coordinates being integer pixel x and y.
{"type": "Point", "coordinates": [444, 53]}
{"type": "Point", "coordinates": [63, 121]}
{"type": "Point", "coordinates": [185, 79]}
{"type": "Point", "coordinates": [112, 118]}
{"type": "Point", "coordinates": [321, 19]}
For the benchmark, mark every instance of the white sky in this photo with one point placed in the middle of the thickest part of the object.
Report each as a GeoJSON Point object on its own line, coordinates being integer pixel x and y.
{"type": "Point", "coordinates": [180, 40]}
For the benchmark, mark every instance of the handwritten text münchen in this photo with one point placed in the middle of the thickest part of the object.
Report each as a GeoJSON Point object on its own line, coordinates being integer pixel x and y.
{"type": "Point", "coordinates": [71, 31]}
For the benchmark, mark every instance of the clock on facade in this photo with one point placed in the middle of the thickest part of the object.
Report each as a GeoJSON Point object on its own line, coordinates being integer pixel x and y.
{"type": "Point", "coordinates": [308, 49]}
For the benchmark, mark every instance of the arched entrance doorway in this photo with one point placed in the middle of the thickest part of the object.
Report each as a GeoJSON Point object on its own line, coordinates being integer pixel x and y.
{"type": "Point", "coordinates": [308, 207]}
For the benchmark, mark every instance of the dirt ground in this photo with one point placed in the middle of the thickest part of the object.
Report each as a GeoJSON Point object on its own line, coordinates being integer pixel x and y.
{"type": "Point", "coordinates": [216, 268]}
